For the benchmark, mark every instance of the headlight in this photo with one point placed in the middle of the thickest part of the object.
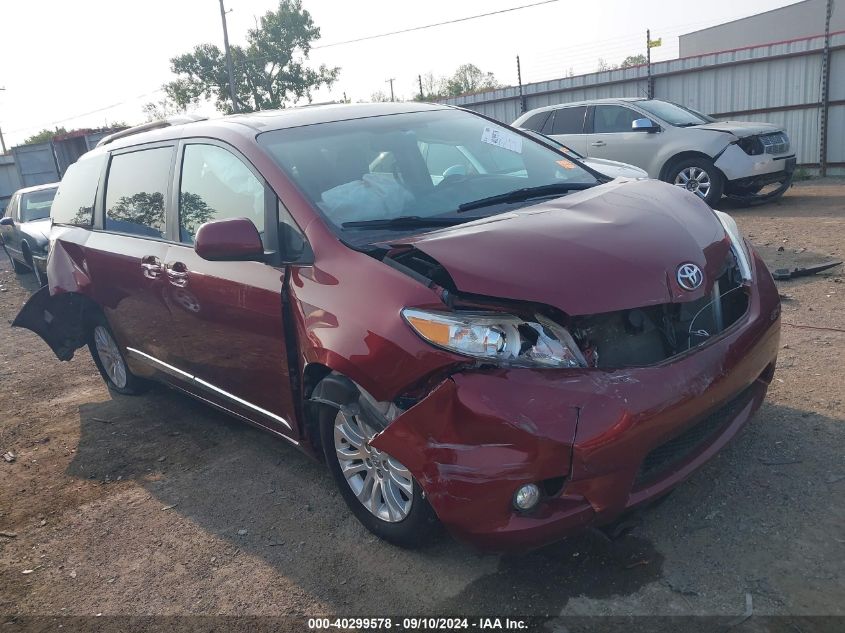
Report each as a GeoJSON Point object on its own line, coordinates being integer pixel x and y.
{"type": "Point", "coordinates": [738, 245]}
{"type": "Point", "coordinates": [499, 338]}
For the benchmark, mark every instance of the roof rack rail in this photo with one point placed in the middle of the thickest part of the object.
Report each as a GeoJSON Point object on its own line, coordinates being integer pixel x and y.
{"type": "Point", "coordinates": [181, 119]}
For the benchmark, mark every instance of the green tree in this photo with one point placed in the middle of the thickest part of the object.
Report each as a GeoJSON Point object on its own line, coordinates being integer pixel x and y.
{"type": "Point", "coordinates": [633, 60]}
{"type": "Point", "coordinates": [269, 72]}
{"type": "Point", "coordinates": [433, 87]}
{"type": "Point", "coordinates": [469, 78]}
{"type": "Point", "coordinates": [44, 135]}
{"type": "Point", "coordinates": [162, 109]}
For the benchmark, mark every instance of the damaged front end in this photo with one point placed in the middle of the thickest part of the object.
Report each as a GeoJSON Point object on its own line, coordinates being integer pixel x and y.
{"type": "Point", "coordinates": [578, 405]}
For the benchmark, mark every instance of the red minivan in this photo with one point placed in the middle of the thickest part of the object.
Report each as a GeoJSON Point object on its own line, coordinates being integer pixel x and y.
{"type": "Point", "coordinates": [468, 327]}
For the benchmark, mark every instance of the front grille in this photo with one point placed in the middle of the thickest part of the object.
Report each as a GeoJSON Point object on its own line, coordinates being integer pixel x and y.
{"type": "Point", "coordinates": [683, 446]}
{"type": "Point", "coordinates": [775, 143]}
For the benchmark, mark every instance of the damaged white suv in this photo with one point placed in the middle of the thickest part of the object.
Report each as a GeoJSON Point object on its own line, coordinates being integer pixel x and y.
{"type": "Point", "coordinates": [749, 161]}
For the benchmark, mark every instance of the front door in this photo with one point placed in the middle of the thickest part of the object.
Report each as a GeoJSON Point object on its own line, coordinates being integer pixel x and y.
{"type": "Point", "coordinates": [612, 137]}
{"type": "Point", "coordinates": [227, 316]}
{"type": "Point", "coordinates": [9, 232]}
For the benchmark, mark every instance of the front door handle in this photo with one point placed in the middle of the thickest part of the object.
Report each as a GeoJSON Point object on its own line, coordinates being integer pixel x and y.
{"type": "Point", "coordinates": [151, 267]}
{"type": "Point", "coordinates": [598, 144]}
{"type": "Point", "coordinates": [177, 274]}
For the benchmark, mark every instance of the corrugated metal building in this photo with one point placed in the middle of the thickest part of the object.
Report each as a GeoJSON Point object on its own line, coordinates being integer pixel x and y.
{"type": "Point", "coordinates": [780, 83]}
{"type": "Point", "coordinates": [794, 21]}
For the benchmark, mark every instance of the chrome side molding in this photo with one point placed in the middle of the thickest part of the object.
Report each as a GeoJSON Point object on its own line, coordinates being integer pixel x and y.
{"type": "Point", "coordinates": [202, 384]}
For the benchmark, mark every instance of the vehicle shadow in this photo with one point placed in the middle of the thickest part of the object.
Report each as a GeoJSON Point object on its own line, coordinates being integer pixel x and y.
{"type": "Point", "coordinates": [277, 505]}
{"type": "Point", "coordinates": [25, 280]}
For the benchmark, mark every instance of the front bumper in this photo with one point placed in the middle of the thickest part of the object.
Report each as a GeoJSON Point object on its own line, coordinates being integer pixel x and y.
{"type": "Point", "coordinates": [481, 434]}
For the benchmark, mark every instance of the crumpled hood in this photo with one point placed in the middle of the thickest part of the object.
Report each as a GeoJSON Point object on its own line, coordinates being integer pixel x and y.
{"type": "Point", "coordinates": [740, 129]}
{"type": "Point", "coordinates": [608, 248]}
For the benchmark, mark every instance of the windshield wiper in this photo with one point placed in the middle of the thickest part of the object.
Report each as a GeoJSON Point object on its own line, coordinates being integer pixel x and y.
{"type": "Point", "coordinates": [527, 193]}
{"type": "Point", "coordinates": [405, 222]}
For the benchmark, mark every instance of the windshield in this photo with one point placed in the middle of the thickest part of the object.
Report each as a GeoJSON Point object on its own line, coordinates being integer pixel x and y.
{"type": "Point", "coordinates": [674, 114]}
{"type": "Point", "coordinates": [36, 205]}
{"type": "Point", "coordinates": [420, 165]}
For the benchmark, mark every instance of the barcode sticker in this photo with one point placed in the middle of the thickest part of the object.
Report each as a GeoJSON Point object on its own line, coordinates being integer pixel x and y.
{"type": "Point", "coordinates": [503, 139]}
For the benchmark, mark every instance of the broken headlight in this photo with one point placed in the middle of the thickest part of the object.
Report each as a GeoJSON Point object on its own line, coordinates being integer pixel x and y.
{"type": "Point", "coordinates": [499, 338]}
{"type": "Point", "coordinates": [740, 249]}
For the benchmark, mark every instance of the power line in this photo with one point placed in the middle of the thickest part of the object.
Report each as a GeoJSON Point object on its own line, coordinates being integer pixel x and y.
{"type": "Point", "coordinates": [431, 26]}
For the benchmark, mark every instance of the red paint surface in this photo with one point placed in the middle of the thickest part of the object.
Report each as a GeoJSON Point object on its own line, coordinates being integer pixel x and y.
{"type": "Point", "coordinates": [478, 434]}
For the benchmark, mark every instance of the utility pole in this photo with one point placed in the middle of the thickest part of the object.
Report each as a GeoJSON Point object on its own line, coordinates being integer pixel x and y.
{"type": "Point", "coordinates": [519, 80]}
{"type": "Point", "coordinates": [235, 107]}
{"type": "Point", "coordinates": [390, 81]}
{"type": "Point", "coordinates": [422, 95]}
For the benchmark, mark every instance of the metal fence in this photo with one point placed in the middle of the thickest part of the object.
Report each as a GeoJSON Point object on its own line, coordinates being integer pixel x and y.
{"type": "Point", "coordinates": [780, 83]}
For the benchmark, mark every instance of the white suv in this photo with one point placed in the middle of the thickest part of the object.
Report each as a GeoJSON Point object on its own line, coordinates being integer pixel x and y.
{"type": "Point", "coordinates": [750, 161]}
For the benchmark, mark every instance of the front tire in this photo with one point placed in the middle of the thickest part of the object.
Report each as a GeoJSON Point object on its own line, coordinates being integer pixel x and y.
{"type": "Point", "coordinates": [380, 492]}
{"type": "Point", "coordinates": [19, 267]}
{"type": "Point", "coordinates": [699, 176]}
{"type": "Point", "coordinates": [110, 361]}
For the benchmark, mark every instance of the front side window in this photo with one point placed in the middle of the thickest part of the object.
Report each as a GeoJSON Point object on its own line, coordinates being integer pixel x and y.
{"type": "Point", "coordinates": [74, 201]}
{"type": "Point", "coordinates": [136, 190]}
{"type": "Point", "coordinates": [36, 205]}
{"type": "Point", "coordinates": [610, 119]}
{"type": "Point", "coordinates": [216, 185]}
{"type": "Point", "coordinates": [432, 164]}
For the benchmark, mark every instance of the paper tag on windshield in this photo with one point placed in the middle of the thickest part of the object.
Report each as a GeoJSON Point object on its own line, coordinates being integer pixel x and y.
{"type": "Point", "coordinates": [501, 138]}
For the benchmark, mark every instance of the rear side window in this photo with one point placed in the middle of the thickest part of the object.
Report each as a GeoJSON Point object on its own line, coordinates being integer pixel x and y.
{"type": "Point", "coordinates": [536, 121]}
{"type": "Point", "coordinates": [569, 120]}
{"type": "Point", "coordinates": [135, 192]}
{"type": "Point", "coordinates": [74, 201]}
{"type": "Point", "coordinates": [216, 185]}
{"type": "Point", "coordinates": [612, 119]}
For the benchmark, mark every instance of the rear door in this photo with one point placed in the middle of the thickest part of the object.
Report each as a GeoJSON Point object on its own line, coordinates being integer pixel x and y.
{"type": "Point", "coordinates": [613, 138]}
{"type": "Point", "coordinates": [566, 125]}
{"type": "Point", "coordinates": [227, 316]}
{"type": "Point", "coordinates": [125, 253]}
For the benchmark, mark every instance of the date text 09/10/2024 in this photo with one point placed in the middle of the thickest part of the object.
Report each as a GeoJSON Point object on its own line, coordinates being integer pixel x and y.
{"type": "Point", "coordinates": [418, 624]}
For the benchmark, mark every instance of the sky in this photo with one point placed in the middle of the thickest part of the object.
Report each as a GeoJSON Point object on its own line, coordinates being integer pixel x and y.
{"type": "Point", "coordinates": [89, 63]}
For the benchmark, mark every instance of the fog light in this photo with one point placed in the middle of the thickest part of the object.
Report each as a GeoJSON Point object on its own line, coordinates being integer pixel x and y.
{"type": "Point", "coordinates": [526, 497]}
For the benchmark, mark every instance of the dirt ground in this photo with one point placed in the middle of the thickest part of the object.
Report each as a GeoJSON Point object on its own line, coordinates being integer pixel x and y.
{"type": "Point", "coordinates": [158, 505]}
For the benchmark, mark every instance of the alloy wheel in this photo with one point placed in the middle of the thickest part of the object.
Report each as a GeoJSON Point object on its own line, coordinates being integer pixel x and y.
{"type": "Point", "coordinates": [110, 356]}
{"type": "Point", "coordinates": [694, 179]}
{"type": "Point", "coordinates": [382, 485]}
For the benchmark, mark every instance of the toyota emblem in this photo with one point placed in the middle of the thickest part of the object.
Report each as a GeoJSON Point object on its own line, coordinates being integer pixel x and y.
{"type": "Point", "coordinates": [690, 277]}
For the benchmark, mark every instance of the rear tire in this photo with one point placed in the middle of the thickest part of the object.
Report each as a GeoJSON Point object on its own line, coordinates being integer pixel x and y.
{"type": "Point", "coordinates": [697, 175]}
{"type": "Point", "coordinates": [110, 361]}
{"type": "Point", "coordinates": [408, 519]}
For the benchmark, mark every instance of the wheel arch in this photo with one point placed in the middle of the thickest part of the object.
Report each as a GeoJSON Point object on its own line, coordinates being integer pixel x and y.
{"type": "Point", "coordinates": [676, 158]}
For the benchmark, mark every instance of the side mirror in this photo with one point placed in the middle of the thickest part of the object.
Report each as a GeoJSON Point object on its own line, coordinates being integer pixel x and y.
{"type": "Point", "coordinates": [644, 125]}
{"type": "Point", "coordinates": [7, 222]}
{"type": "Point", "coordinates": [235, 239]}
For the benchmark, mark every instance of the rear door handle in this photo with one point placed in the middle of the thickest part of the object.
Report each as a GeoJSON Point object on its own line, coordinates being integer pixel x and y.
{"type": "Point", "coordinates": [598, 144]}
{"type": "Point", "coordinates": [177, 274]}
{"type": "Point", "coordinates": [151, 267]}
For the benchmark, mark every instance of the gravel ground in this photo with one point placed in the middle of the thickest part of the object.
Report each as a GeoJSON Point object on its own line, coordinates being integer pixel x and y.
{"type": "Point", "coordinates": [158, 505]}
